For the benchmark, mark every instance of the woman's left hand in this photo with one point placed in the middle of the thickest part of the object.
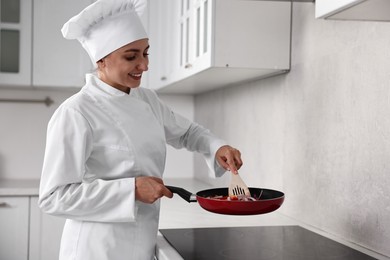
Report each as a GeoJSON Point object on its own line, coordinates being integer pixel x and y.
{"type": "Point", "coordinates": [229, 158]}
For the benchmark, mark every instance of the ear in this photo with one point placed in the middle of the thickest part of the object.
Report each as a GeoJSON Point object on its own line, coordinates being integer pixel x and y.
{"type": "Point", "coordinates": [101, 63]}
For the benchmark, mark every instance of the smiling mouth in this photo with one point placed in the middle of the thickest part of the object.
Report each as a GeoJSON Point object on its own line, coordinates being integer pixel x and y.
{"type": "Point", "coordinates": [135, 76]}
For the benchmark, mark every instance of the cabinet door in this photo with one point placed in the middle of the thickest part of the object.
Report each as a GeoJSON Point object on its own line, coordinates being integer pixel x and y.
{"type": "Point", "coordinates": [57, 62]}
{"type": "Point", "coordinates": [15, 42]}
{"type": "Point", "coordinates": [186, 33]}
{"type": "Point", "coordinates": [45, 234]}
{"type": "Point", "coordinates": [191, 39]}
{"type": "Point", "coordinates": [14, 228]}
{"type": "Point", "coordinates": [164, 42]}
{"type": "Point", "coordinates": [198, 42]}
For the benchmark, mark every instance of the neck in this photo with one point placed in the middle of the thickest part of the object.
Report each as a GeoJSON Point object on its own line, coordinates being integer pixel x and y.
{"type": "Point", "coordinates": [119, 87]}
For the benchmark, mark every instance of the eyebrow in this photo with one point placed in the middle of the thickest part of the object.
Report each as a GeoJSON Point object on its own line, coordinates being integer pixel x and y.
{"type": "Point", "coordinates": [136, 50]}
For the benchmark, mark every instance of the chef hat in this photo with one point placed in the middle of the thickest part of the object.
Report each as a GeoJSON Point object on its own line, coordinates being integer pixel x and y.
{"type": "Point", "coordinates": [106, 25]}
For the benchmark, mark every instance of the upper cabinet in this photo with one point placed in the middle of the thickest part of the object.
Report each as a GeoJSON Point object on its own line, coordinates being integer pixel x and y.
{"type": "Point", "coordinates": [365, 10]}
{"type": "Point", "coordinates": [164, 41]}
{"type": "Point", "coordinates": [15, 42]}
{"type": "Point", "coordinates": [32, 49]}
{"type": "Point", "coordinates": [57, 62]}
{"type": "Point", "coordinates": [200, 45]}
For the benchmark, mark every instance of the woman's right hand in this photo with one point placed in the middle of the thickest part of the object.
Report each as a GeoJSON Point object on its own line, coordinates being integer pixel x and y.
{"type": "Point", "coordinates": [149, 189]}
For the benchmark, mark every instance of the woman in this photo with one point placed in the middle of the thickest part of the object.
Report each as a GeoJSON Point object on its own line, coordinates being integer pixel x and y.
{"type": "Point", "coordinates": [106, 145]}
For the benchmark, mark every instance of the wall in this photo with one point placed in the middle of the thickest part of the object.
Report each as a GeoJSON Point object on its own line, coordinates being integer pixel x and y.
{"type": "Point", "coordinates": [179, 163]}
{"type": "Point", "coordinates": [23, 133]}
{"type": "Point", "coordinates": [320, 133]}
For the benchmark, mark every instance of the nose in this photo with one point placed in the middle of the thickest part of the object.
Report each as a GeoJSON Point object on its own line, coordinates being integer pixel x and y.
{"type": "Point", "coordinates": [143, 64]}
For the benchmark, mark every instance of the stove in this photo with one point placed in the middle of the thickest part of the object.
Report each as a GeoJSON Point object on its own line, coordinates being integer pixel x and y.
{"type": "Point", "coordinates": [257, 243]}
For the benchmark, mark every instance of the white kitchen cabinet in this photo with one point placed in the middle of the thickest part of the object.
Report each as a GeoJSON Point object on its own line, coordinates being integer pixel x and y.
{"type": "Point", "coordinates": [365, 10]}
{"type": "Point", "coordinates": [164, 41]}
{"type": "Point", "coordinates": [57, 62]}
{"type": "Point", "coordinates": [32, 49]}
{"type": "Point", "coordinates": [45, 234]}
{"type": "Point", "coordinates": [26, 232]}
{"type": "Point", "coordinates": [14, 223]}
{"type": "Point", "coordinates": [214, 43]}
{"type": "Point", "coordinates": [15, 42]}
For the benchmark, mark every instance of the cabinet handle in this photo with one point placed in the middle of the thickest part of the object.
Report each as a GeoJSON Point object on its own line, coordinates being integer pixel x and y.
{"type": "Point", "coordinates": [3, 204]}
{"type": "Point", "coordinates": [188, 66]}
{"type": "Point", "coordinates": [163, 78]}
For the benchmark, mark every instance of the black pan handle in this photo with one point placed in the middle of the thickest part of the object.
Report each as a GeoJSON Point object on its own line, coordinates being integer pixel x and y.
{"type": "Point", "coordinates": [185, 194]}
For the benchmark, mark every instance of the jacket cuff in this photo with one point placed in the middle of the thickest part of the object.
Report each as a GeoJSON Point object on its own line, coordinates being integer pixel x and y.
{"type": "Point", "coordinates": [215, 169]}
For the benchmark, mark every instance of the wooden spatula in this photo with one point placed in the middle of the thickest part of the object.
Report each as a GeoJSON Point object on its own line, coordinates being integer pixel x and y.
{"type": "Point", "coordinates": [237, 187]}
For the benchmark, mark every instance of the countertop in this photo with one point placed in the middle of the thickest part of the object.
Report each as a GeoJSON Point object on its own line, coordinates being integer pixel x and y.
{"type": "Point", "coordinates": [19, 187]}
{"type": "Point", "coordinates": [177, 213]}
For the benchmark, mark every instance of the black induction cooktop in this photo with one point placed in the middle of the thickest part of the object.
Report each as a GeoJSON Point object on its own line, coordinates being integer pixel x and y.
{"type": "Point", "coordinates": [257, 243]}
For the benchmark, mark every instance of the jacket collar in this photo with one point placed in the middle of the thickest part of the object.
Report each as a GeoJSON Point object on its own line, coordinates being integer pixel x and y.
{"type": "Point", "coordinates": [98, 86]}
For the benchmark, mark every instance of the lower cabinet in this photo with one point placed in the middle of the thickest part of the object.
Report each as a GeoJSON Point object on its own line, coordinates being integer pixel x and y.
{"type": "Point", "coordinates": [45, 233]}
{"type": "Point", "coordinates": [26, 232]}
{"type": "Point", "coordinates": [14, 223]}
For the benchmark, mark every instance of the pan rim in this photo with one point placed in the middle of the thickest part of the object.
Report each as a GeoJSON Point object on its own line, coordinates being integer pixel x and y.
{"type": "Point", "coordinates": [241, 201]}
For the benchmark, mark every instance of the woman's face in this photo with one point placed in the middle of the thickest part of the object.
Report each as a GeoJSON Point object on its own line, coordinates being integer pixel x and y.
{"type": "Point", "coordinates": [123, 68]}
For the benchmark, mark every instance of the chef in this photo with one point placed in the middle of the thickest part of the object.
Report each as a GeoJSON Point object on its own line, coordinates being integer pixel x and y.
{"type": "Point", "coordinates": [106, 145]}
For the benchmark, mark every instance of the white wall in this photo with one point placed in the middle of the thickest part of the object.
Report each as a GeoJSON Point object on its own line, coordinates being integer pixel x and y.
{"type": "Point", "coordinates": [179, 163]}
{"type": "Point", "coordinates": [320, 133]}
{"type": "Point", "coordinates": [23, 133]}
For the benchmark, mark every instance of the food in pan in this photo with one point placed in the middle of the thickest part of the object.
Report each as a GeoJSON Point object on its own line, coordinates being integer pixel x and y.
{"type": "Point", "coordinates": [238, 198]}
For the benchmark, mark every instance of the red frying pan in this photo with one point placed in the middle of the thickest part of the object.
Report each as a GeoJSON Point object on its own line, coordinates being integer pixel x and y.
{"type": "Point", "coordinates": [269, 200]}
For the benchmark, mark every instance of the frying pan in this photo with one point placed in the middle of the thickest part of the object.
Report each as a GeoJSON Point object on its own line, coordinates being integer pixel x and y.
{"type": "Point", "coordinates": [269, 201]}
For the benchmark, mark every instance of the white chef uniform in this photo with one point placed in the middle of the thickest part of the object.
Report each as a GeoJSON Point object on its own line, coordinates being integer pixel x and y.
{"type": "Point", "coordinates": [101, 138]}
{"type": "Point", "coordinates": [97, 142]}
